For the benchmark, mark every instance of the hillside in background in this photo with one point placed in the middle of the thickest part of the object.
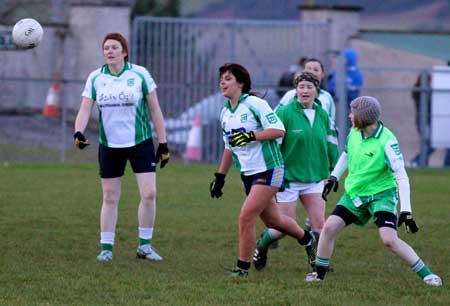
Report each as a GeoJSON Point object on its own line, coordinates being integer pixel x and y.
{"type": "Point", "coordinates": [388, 15]}
{"type": "Point", "coordinates": [411, 15]}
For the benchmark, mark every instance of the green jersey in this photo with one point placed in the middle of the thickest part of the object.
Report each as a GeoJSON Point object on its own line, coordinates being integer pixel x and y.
{"type": "Point", "coordinates": [371, 162]}
{"type": "Point", "coordinates": [309, 149]}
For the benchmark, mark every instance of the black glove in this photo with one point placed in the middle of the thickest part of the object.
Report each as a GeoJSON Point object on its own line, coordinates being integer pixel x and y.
{"type": "Point", "coordinates": [239, 139]}
{"type": "Point", "coordinates": [410, 224]}
{"type": "Point", "coordinates": [216, 185]}
{"type": "Point", "coordinates": [332, 184]}
{"type": "Point", "coordinates": [80, 140]}
{"type": "Point", "coordinates": [162, 153]}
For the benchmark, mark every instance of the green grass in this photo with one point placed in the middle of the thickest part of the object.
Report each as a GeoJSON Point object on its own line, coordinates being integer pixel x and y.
{"type": "Point", "coordinates": [49, 225]}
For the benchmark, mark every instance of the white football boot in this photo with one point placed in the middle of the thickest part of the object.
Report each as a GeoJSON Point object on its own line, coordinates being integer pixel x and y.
{"type": "Point", "coordinates": [312, 277]}
{"type": "Point", "coordinates": [432, 280]}
{"type": "Point", "coordinates": [146, 252]}
{"type": "Point", "coordinates": [105, 255]}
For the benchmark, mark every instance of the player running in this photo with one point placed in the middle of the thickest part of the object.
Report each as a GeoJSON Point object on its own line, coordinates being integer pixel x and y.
{"type": "Point", "coordinates": [376, 176]}
{"type": "Point", "coordinates": [250, 129]}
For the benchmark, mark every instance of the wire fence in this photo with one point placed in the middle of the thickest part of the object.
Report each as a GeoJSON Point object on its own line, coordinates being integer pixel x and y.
{"type": "Point", "coordinates": [183, 56]}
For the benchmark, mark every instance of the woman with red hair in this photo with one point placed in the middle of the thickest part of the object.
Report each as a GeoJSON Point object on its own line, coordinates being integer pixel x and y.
{"type": "Point", "coordinates": [124, 93]}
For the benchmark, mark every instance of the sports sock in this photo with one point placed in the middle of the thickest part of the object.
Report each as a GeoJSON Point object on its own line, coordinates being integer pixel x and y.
{"type": "Point", "coordinates": [421, 268]}
{"type": "Point", "coordinates": [269, 237]}
{"type": "Point", "coordinates": [307, 225]}
{"type": "Point", "coordinates": [316, 235]}
{"type": "Point", "coordinates": [107, 240]}
{"type": "Point", "coordinates": [321, 266]}
{"type": "Point", "coordinates": [244, 265]}
{"type": "Point", "coordinates": [145, 235]}
{"type": "Point", "coordinates": [306, 239]}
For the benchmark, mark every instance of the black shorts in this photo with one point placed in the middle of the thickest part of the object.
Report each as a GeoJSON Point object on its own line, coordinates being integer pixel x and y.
{"type": "Point", "coordinates": [272, 177]}
{"type": "Point", "coordinates": [113, 160]}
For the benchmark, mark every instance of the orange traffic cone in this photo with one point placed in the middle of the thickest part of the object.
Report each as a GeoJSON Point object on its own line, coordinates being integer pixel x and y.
{"type": "Point", "coordinates": [52, 100]}
{"type": "Point", "coordinates": [194, 141]}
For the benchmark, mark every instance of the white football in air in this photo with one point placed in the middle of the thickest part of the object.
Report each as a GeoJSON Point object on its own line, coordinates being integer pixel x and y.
{"type": "Point", "coordinates": [27, 33]}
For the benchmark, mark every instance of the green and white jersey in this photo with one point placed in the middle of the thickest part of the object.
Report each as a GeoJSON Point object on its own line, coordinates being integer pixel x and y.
{"type": "Point", "coordinates": [324, 97]}
{"type": "Point", "coordinates": [309, 150]}
{"type": "Point", "coordinates": [327, 102]}
{"type": "Point", "coordinates": [252, 114]}
{"type": "Point", "coordinates": [371, 162]}
{"type": "Point", "coordinates": [121, 103]}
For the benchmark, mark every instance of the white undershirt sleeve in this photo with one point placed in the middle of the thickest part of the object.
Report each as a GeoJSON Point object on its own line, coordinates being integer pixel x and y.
{"type": "Point", "coordinates": [396, 163]}
{"type": "Point", "coordinates": [403, 189]}
{"type": "Point", "coordinates": [341, 166]}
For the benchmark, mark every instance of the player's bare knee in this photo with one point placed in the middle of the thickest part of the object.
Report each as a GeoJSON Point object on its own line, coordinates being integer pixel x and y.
{"type": "Point", "coordinates": [149, 197]}
{"type": "Point", "coordinates": [111, 197]}
{"type": "Point", "coordinates": [389, 241]}
{"type": "Point", "coordinates": [246, 220]}
{"type": "Point", "coordinates": [329, 230]}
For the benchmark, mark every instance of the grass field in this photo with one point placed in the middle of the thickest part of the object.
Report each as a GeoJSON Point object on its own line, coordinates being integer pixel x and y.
{"type": "Point", "coordinates": [49, 224]}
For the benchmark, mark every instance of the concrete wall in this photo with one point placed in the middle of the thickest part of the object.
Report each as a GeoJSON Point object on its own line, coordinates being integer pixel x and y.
{"type": "Point", "coordinates": [30, 72]}
{"type": "Point", "coordinates": [83, 46]}
{"type": "Point", "coordinates": [88, 26]}
{"type": "Point", "coordinates": [343, 20]}
{"type": "Point", "coordinates": [27, 71]}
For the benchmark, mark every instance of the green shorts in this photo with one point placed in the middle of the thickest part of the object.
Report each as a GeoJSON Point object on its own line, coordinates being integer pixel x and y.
{"type": "Point", "coordinates": [365, 207]}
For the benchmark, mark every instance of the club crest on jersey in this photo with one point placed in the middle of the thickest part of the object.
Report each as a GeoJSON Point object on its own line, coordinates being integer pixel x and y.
{"type": "Point", "coordinates": [130, 82]}
{"type": "Point", "coordinates": [396, 148]}
{"type": "Point", "coordinates": [243, 118]}
{"type": "Point", "coordinates": [271, 118]}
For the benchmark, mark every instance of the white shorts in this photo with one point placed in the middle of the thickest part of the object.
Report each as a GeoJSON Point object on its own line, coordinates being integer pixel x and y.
{"type": "Point", "coordinates": [295, 190]}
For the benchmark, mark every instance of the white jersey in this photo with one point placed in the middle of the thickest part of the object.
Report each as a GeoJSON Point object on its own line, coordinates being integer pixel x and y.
{"type": "Point", "coordinates": [252, 114]}
{"type": "Point", "coordinates": [326, 101]}
{"type": "Point", "coordinates": [121, 102]}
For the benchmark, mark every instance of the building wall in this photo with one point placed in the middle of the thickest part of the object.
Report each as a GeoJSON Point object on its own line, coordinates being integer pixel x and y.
{"type": "Point", "coordinates": [343, 20]}
{"type": "Point", "coordinates": [29, 73]}
{"type": "Point", "coordinates": [83, 47]}
{"type": "Point", "coordinates": [25, 70]}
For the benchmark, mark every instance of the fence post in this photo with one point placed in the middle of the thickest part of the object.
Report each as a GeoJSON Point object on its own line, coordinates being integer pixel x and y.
{"type": "Point", "coordinates": [424, 122]}
{"type": "Point", "coordinates": [341, 94]}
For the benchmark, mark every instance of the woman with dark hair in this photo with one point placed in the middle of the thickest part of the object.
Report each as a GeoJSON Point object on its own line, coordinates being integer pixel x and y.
{"type": "Point", "coordinates": [250, 131]}
{"type": "Point", "coordinates": [324, 98]}
{"type": "Point", "coordinates": [123, 93]}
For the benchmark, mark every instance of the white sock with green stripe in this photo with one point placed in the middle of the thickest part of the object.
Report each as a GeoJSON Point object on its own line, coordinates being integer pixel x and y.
{"type": "Point", "coordinates": [145, 235]}
{"type": "Point", "coordinates": [421, 268]}
{"type": "Point", "coordinates": [107, 240]}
